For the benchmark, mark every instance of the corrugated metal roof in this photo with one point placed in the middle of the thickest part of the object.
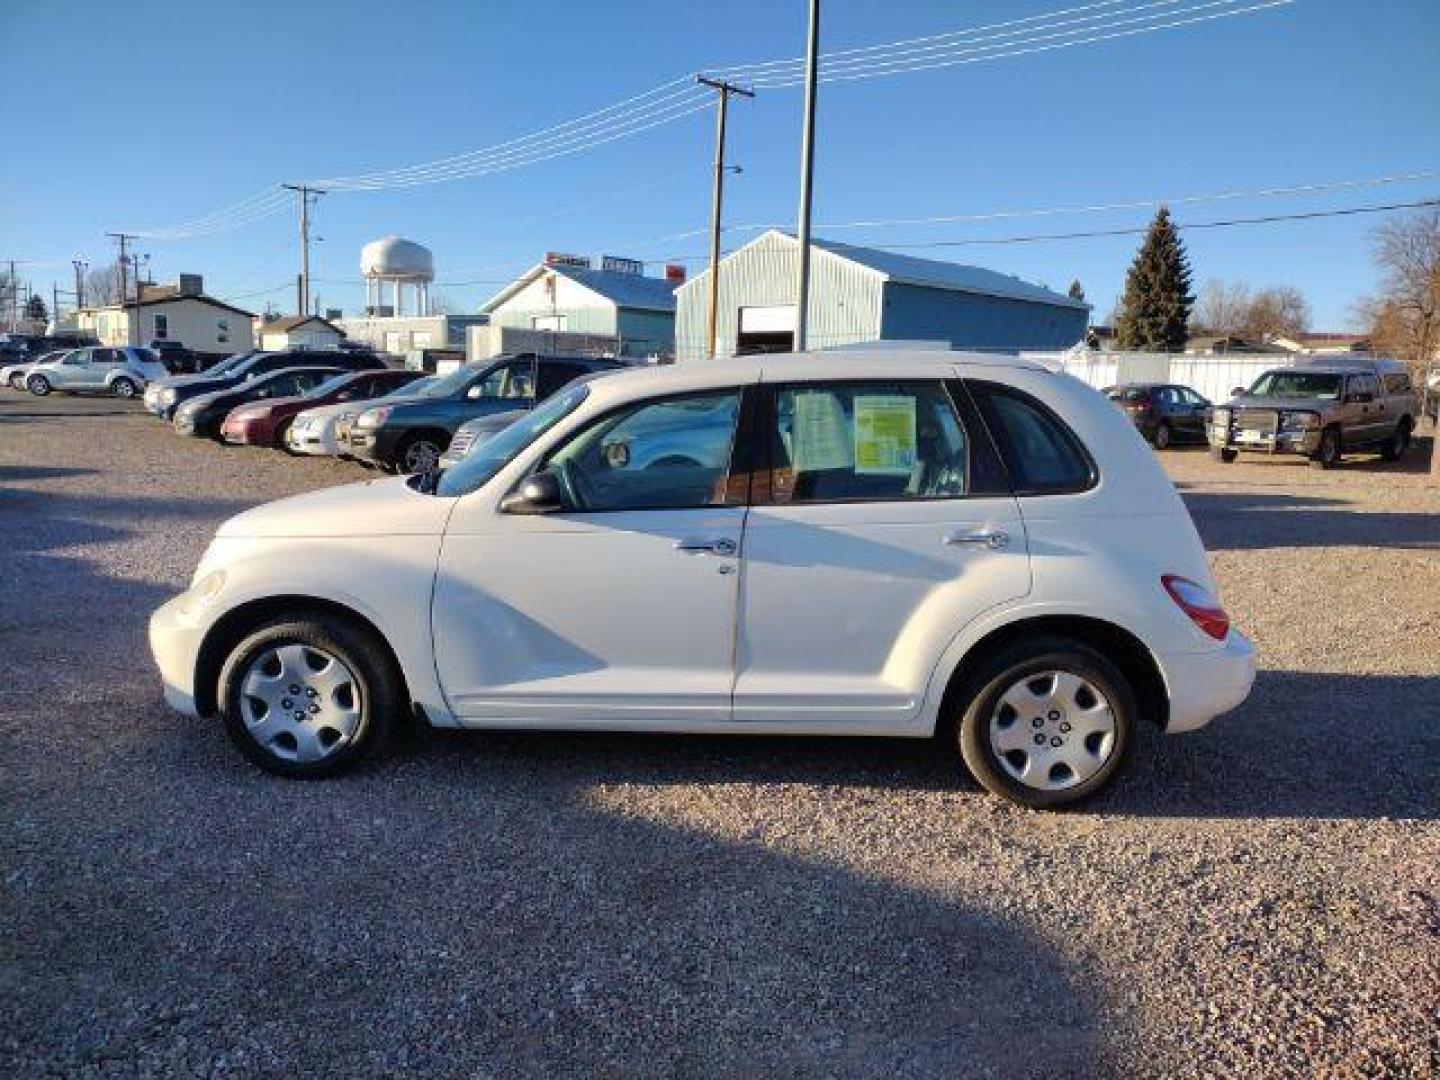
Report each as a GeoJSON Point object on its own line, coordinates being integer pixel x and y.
{"type": "Point", "coordinates": [624, 290]}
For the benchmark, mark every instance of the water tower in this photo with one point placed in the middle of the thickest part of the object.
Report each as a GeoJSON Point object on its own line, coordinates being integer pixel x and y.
{"type": "Point", "coordinates": [399, 263]}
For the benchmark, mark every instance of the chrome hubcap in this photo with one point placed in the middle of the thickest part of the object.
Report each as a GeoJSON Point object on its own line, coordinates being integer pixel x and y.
{"type": "Point", "coordinates": [300, 703]}
{"type": "Point", "coordinates": [422, 456]}
{"type": "Point", "coordinates": [1052, 730]}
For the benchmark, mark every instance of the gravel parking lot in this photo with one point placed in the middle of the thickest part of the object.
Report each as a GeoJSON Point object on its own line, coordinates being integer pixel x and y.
{"type": "Point", "coordinates": [1260, 898]}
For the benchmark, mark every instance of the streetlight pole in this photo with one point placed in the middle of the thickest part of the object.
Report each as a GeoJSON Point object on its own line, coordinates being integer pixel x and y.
{"type": "Point", "coordinates": [723, 90]}
{"type": "Point", "coordinates": [807, 176]}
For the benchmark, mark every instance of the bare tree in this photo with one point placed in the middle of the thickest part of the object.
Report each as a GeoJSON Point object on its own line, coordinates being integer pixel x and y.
{"type": "Point", "coordinates": [1404, 319]}
{"type": "Point", "coordinates": [1277, 311]}
{"type": "Point", "coordinates": [1223, 307]}
{"type": "Point", "coordinates": [102, 286]}
{"type": "Point", "coordinates": [440, 304]}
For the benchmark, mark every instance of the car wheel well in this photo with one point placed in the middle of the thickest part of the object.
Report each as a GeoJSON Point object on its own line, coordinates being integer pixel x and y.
{"type": "Point", "coordinates": [233, 626]}
{"type": "Point", "coordinates": [1122, 648]}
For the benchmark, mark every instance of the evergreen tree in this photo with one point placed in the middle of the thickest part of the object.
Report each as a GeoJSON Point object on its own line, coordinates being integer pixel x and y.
{"type": "Point", "coordinates": [1076, 292]}
{"type": "Point", "coordinates": [35, 309]}
{"type": "Point", "coordinates": [1155, 307]}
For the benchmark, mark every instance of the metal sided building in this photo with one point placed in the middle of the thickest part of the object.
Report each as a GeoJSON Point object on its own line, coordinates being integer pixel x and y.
{"type": "Point", "coordinates": [566, 295]}
{"type": "Point", "coordinates": [860, 294]}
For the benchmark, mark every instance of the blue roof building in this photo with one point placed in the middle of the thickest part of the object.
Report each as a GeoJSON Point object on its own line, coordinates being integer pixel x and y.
{"type": "Point", "coordinates": [862, 294]}
{"type": "Point", "coordinates": [637, 311]}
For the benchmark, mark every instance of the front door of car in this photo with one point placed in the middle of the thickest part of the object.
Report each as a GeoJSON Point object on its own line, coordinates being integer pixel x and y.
{"type": "Point", "coordinates": [883, 526]}
{"type": "Point", "coordinates": [619, 606]}
{"type": "Point", "coordinates": [1363, 410]}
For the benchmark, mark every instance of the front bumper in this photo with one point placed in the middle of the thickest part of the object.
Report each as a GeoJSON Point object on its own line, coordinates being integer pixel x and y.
{"type": "Point", "coordinates": [176, 634]}
{"type": "Point", "coordinates": [1204, 685]}
{"type": "Point", "coordinates": [373, 445]}
{"type": "Point", "coordinates": [1265, 442]}
{"type": "Point", "coordinates": [241, 434]}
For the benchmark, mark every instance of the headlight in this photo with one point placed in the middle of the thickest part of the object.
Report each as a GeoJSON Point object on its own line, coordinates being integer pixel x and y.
{"type": "Point", "coordinates": [1222, 417]}
{"type": "Point", "coordinates": [208, 587]}
{"type": "Point", "coordinates": [372, 418]}
{"type": "Point", "coordinates": [1299, 421]}
{"type": "Point", "coordinates": [167, 396]}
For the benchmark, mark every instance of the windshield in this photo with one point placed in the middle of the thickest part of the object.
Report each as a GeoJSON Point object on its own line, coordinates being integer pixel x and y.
{"type": "Point", "coordinates": [330, 385]}
{"type": "Point", "coordinates": [1297, 384]}
{"type": "Point", "coordinates": [446, 385]}
{"type": "Point", "coordinates": [1130, 393]}
{"type": "Point", "coordinates": [410, 389]}
{"type": "Point", "coordinates": [230, 363]}
{"type": "Point", "coordinates": [476, 469]}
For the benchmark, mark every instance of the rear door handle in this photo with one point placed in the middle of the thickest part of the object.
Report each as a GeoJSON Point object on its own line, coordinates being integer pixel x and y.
{"type": "Point", "coordinates": [994, 539]}
{"type": "Point", "coordinates": [696, 545]}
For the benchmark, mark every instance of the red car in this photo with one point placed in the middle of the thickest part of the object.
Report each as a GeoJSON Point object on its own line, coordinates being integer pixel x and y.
{"type": "Point", "coordinates": [264, 423]}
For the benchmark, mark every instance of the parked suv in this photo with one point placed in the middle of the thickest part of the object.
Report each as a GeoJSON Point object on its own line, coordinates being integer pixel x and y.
{"type": "Point", "coordinates": [123, 372]}
{"type": "Point", "coordinates": [175, 391]}
{"type": "Point", "coordinates": [1163, 413]}
{"type": "Point", "coordinates": [1321, 410]}
{"type": "Point", "coordinates": [409, 436]}
{"type": "Point", "coordinates": [885, 543]}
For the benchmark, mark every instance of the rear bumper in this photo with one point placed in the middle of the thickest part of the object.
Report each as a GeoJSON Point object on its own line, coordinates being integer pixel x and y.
{"type": "Point", "coordinates": [1204, 685]}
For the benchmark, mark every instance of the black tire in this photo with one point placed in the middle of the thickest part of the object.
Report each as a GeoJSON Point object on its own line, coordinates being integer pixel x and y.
{"type": "Point", "coordinates": [1395, 446]}
{"type": "Point", "coordinates": [413, 447]}
{"type": "Point", "coordinates": [381, 694]}
{"type": "Point", "coordinates": [38, 385]}
{"type": "Point", "coordinates": [980, 697]}
{"type": "Point", "coordinates": [281, 434]}
{"type": "Point", "coordinates": [1327, 454]}
{"type": "Point", "coordinates": [1163, 436]}
{"type": "Point", "coordinates": [123, 388]}
{"type": "Point", "coordinates": [1223, 453]}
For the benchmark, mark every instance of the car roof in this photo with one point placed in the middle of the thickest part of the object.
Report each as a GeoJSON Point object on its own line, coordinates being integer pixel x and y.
{"type": "Point", "coordinates": [1330, 365]}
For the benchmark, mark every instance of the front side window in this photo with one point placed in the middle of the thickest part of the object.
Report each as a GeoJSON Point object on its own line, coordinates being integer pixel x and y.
{"type": "Point", "coordinates": [555, 375]}
{"type": "Point", "coordinates": [1364, 384]}
{"type": "Point", "coordinates": [672, 454]}
{"type": "Point", "coordinates": [506, 381]}
{"type": "Point", "coordinates": [1397, 384]}
{"type": "Point", "coordinates": [874, 442]}
{"type": "Point", "coordinates": [1044, 456]}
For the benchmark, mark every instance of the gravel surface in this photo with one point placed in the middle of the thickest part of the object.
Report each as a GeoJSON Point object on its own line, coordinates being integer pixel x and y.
{"type": "Point", "coordinates": [1258, 899]}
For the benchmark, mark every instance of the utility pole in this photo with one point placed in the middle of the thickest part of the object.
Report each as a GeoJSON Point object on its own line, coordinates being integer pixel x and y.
{"type": "Point", "coordinates": [80, 268]}
{"type": "Point", "coordinates": [807, 177]}
{"type": "Point", "coordinates": [12, 292]}
{"type": "Point", "coordinates": [302, 299]}
{"type": "Point", "coordinates": [723, 90]}
{"type": "Point", "coordinates": [133, 329]}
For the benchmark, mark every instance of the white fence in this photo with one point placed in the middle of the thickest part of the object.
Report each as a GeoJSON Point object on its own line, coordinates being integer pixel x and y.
{"type": "Point", "coordinates": [1212, 376]}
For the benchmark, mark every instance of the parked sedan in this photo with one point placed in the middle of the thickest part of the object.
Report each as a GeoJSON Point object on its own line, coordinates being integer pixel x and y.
{"type": "Point", "coordinates": [1164, 413]}
{"type": "Point", "coordinates": [122, 372]}
{"type": "Point", "coordinates": [268, 422]}
{"type": "Point", "coordinates": [203, 415]}
{"type": "Point", "coordinates": [410, 436]}
{"type": "Point", "coordinates": [905, 544]}
{"type": "Point", "coordinates": [317, 429]}
{"type": "Point", "coordinates": [174, 392]}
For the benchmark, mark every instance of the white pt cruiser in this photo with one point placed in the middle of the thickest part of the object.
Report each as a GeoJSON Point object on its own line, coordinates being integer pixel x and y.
{"type": "Point", "coordinates": [878, 543]}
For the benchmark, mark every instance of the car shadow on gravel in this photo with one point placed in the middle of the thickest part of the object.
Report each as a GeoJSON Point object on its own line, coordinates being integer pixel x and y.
{"type": "Point", "coordinates": [1263, 518]}
{"type": "Point", "coordinates": [16, 473]}
{"type": "Point", "coordinates": [1305, 745]}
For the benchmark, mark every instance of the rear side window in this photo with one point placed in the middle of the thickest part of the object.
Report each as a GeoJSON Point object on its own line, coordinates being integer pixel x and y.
{"type": "Point", "coordinates": [1043, 455]}
{"type": "Point", "coordinates": [1397, 384]}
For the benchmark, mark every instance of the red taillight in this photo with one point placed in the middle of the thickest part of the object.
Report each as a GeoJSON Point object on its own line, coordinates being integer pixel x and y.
{"type": "Point", "coordinates": [1195, 600]}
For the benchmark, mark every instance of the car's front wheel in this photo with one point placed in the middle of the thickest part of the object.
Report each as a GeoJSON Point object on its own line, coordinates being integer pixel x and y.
{"type": "Point", "coordinates": [123, 388]}
{"type": "Point", "coordinates": [1163, 436]}
{"type": "Point", "coordinates": [1047, 722]}
{"type": "Point", "coordinates": [1327, 454]}
{"type": "Point", "coordinates": [1395, 446]}
{"type": "Point", "coordinates": [1223, 453]}
{"type": "Point", "coordinates": [38, 385]}
{"type": "Point", "coordinates": [309, 695]}
{"type": "Point", "coordinates": [419, 453]}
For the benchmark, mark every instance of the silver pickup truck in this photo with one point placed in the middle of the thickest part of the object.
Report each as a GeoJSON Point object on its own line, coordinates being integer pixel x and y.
{"type": "Point", "coordinates": [1320, 409]}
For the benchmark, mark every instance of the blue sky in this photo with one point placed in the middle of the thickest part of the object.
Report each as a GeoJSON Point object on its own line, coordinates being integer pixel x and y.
{"type": "Point", "coordinates": [145, 114]}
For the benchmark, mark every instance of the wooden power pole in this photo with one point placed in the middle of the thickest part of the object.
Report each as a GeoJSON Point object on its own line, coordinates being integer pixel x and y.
{"type": "Point", "coordinates": [723, 91]}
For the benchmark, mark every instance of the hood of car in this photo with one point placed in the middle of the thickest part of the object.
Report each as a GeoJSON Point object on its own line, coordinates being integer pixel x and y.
{"type": "Point", "coordinates": [388, 507]}
{"type": "Point", "coordinates": [1305, 404]}
{"type": "Point", "coordinates": [204, 401]}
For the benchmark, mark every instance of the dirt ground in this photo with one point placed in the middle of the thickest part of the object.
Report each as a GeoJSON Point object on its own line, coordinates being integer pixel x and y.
{"type": "Point", "coordinates": [1261, 898]}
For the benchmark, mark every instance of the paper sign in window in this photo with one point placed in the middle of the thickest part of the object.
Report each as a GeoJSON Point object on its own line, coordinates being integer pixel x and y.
{"type": "Point", "coordinates": [818, 438]}
{"type": "Point", "coordinates": [885, 442]}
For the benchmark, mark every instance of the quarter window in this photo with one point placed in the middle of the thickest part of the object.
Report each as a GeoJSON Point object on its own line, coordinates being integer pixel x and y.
{"type": "Point", "coordinates": [871, 442]}
{"type": "Point", "coordinates": [662, 455]}
{"type": "Point", "coordinates": [1043, 455]}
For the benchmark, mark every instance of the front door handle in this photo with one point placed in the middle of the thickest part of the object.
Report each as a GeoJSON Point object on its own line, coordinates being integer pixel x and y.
{"type": "Point", "coordinates": [695, 545]}
{"type": "Point", "coordinates": [994, 539]}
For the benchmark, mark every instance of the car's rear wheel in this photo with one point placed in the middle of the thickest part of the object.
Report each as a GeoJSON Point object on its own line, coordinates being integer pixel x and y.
{"type": "Point", "coordinates": [419, 453]}
{"type": "Point", "coordinates": [1327, 454]}
{"type": "Point", "coordinates": [309, 695]}
{"type": "Point", "coordinates": [38, 385]}
{"type": "Point", "coordinates": [1223, 453]}
{"type": "Point", "coordinates": [1163, 436]}
{"type": "Point", "coordinates": [1046, 723]}
{"type": "Point", "coordinates": [123, 388]}
{"type": "Point", "coordinates": [1395, 447]}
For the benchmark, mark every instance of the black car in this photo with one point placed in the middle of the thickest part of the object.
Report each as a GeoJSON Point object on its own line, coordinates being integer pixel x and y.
{"type": "Point", "coordinates": [175, 356]}
{"type": "Point", "coordinates": [1165, 413]}
{"type": "Point", "coordinates": [203, 415]}
{"type": "Point", "coordinates": [410, 435]}
{"type": "Point", "coordinates": [164, 397]}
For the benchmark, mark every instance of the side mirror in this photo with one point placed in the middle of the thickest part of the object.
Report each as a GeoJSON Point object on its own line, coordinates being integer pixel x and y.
{"type": "Point", "coordinates": [537, 494]}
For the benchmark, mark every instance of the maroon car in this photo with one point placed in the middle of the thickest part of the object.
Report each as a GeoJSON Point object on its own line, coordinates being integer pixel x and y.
{"type": "Point", "coordinates": [264, 423]}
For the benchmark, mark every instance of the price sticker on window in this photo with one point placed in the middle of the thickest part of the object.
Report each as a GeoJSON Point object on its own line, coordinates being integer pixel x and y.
{"type": "Point", "coordinates": [885, 443]}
